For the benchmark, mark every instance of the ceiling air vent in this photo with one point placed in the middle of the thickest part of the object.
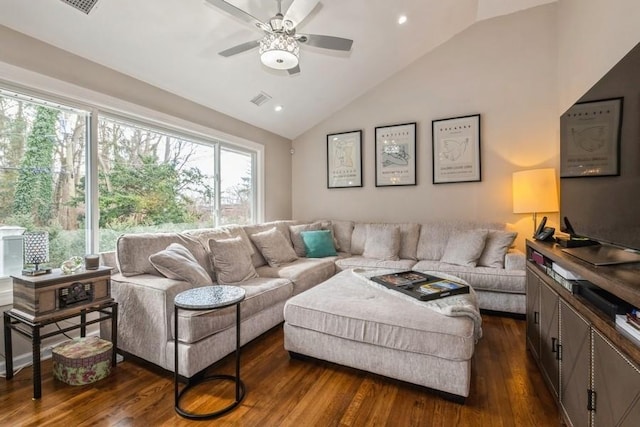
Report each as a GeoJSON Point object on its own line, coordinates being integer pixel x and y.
{"type": "Point", "coordinates": [82, 5]}
{"type": "Point", "coordinates": [261, 98]}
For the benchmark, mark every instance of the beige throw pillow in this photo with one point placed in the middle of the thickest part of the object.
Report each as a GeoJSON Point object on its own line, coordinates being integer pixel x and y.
{"type": "Point", "coordinates": [176, 262]}
{"type": "Point", "coordinates": [296, 236]}
{"type": "Point", "coordinates": [465, 248]}
{"type": "Point", "coordinates": [382, 242]}
{"type": "Point", "coordinates": [496, 247]}
{"type": "Point", "coordinates": [231, 260]}
{"type": "Point", "coordinates": [274, 247]}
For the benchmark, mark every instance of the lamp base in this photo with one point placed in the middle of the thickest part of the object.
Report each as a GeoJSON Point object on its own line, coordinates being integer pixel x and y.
{"type": "Point", "coordinates": [36, 272]}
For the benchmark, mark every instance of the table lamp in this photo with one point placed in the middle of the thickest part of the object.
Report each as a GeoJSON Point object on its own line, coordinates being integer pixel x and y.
{"type": "Point", "coordinates": [535, 191]}
{"type": "Point", "coordinates": [36, 252]}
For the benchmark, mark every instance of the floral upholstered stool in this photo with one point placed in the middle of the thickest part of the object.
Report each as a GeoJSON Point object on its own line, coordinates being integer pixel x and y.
{"type": "Point", "coordinates": [82, 360]}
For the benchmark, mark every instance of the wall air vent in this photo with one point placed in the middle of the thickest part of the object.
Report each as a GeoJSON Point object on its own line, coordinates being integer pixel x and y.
{"type": "Point", "coordinates": [82, 5]}
{"type": "Point", "coordinates": [261, 98]}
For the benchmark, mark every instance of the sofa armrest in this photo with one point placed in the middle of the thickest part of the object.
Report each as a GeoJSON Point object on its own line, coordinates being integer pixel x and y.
{"type": "Point", "coordinates": [514, 260]}
{"type": "Point", "coordinates": [145, 310]}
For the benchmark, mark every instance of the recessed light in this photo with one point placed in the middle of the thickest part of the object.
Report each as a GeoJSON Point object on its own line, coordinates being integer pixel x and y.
{"type": "Point", "coordinates": [278, 108]}
{"type": "Point", "coordinates": [402, 19]}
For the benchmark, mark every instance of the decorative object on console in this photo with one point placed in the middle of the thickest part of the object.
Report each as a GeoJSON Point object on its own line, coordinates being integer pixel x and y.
{"type": "Point", "coordinates": [344, 159]}
{"type": "Point", "coordinates": [593, 129]}
{"type": "Point", "coordinates": [396, 155]}
{"type": "Point", "coordinates": [36, 252]}
{"type": "Point", "coordinates": [535, 191]}
{"type": "Point", "coordinates": [71, 265]}
{"type": "Point", "coordinates": [91, 262]}
{"type": "Point", "coordinates": [456, 149]}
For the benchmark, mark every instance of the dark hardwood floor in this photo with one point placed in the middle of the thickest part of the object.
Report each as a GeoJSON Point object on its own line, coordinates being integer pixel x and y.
{"type": "Point", "coordinates": [506, 390]}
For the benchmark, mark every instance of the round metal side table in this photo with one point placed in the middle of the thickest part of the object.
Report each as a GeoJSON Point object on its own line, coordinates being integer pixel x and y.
{"type": "Point", "coordinates": [208, 298]}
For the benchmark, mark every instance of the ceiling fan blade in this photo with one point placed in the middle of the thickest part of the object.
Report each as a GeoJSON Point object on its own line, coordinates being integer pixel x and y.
{"type": "Point", "coordinates": [294, 70]}
{"type": "Point", "coordinates": [239, 48]}
{"type": "Point", "coordinates": [298, 10]}
{"type": "Point", "coordinates": [239, 13]}
{"type": "Point", "coordinates": [326, 42]}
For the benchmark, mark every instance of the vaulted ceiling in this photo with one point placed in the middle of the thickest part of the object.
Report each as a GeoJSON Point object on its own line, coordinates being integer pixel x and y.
{"type": "Point", "coordinates": [174, 45]}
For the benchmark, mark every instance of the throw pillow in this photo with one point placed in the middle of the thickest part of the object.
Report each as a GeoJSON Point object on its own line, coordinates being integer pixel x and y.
{"type": "Point", "coordinates": [274, 247]}
{"type": "Point", "coordinates": [496, 246]}
{"type": "Point", "coordinates": [176, 262]}
{"type": "Point", "coordinates": [465, 248]}
{"type": "Point", "coordinates": [296, 236]}
{"type": "Point", "coordinates": [383, 242]}
{"type": "Point", "coordinates": [231, 260]}
{"type": "Point", "coordinates": [318, 244]}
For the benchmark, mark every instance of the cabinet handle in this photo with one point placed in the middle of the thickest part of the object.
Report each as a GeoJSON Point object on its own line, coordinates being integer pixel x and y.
{"type": "Point", "coordinates": [554, 341]}
{"type": "Point", "coordinates": [591, 400]}
{"type": "Point", "coordinates": [558, 351]}
{"type": "Point", "coordinates": [536, 317]}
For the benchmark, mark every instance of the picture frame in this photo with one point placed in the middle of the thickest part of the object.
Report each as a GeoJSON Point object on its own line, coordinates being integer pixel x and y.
{"type": "Point", "coordinates": [592, 134]}
{"type": "Point", "coordinates": [344, 159]}
{"type": "Point", "coordinates": [396, 155]}
{"type": "Point", "coordinates": [456, 149]}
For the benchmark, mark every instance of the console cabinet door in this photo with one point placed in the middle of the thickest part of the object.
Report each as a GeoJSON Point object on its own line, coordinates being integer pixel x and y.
{"type": "Point", "coordinates": [616, 382]}
{"type": "Point", "coordinates": [549, 334]}
{"type": "Point", "coordinates": [533, 313]}
{"type": "Point", "coordinates": [575, 366]}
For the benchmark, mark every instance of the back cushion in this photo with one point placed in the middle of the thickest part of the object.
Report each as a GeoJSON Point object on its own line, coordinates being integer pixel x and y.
{"type": "Point", "coordinates": [282, 226]}
{"type": "Point", "coordinates": [342, 231]}
{"type": "Point", "coordinates": [409, 235]}
{"type": "Point", "coordinates": [358, 238]}
{"type": "Point", "coordinates": [134, 250]}
{"type": "Point", "coordinates": [434, 236]}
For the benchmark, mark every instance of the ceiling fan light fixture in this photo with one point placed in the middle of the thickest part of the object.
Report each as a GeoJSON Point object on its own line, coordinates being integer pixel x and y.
{"type": "Point", "coordinates": [279, 51]}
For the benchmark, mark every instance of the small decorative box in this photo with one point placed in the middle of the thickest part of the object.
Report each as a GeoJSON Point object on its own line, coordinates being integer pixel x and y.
{"type": "Point", "coordinates": [82, 360]}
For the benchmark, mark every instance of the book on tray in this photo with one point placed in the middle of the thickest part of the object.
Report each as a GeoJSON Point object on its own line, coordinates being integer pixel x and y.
{"type": "Point", "coordinates": [420, 285]}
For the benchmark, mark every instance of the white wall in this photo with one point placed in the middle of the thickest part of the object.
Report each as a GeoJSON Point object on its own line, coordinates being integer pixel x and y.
{"type": "Point", "coordinates": [593, 36]}
{"type": "Point", "coordinates": [506, 70]}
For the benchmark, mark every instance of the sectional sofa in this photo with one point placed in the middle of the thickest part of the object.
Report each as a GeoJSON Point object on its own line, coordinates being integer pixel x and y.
{"type": "Point", "coordinates": [268, 260]}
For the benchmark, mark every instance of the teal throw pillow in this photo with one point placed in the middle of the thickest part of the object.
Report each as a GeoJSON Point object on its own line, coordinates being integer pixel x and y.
{"type": "Point", "coordinates": [318, 243]}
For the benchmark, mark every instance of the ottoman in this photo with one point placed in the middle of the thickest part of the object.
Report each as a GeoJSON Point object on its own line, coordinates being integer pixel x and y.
{"type": "Point", "coordinates": [82, 360]}
{"type": "Point", "coordinates": [346, 320]}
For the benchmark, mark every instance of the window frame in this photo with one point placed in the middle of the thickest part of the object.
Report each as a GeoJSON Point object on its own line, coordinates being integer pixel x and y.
{"type": "Point", "coordinates": [96, 105]}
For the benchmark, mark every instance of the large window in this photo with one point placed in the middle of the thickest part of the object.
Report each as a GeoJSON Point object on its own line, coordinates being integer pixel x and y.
{"type": "Point", "coordinates": [149, 178]}
{"type": "Point", "coordinates": [42, 169]}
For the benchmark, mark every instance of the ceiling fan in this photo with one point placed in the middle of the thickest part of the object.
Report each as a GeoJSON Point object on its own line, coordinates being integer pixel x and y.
{"type": "Point", "coordinates": [280, 46]}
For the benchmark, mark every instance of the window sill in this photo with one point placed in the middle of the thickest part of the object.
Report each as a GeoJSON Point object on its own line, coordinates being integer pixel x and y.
{"type": "Point", "coordinates": [6, 291]}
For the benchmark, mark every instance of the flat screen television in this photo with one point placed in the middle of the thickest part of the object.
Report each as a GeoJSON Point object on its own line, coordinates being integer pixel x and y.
{"type": "Point", "coordinates": [600, 161]}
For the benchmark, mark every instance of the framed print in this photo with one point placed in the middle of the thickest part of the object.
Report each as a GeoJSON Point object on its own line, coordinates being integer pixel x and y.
{"type": "Point", "coordinates": [396, 155]}
{"type": "Point", "coordinates": [456, 149]}
{"type": "Point", "coordinates": [590, 139]}
{"type": "Point", "coordinates": [344, 159]}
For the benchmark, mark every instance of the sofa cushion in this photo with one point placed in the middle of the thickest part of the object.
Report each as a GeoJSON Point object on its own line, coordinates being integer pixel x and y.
{"type": "Point", "coordinates": [318, 243]}
{"type": "Point", "coordinates": [219, 233]}
{"type": "Point", "coordinates": [434, 236]}
{"type": "Point", "coordinates": [409, 235]}
{"type": "Point", "coordinates": [382, 242]}
{"type": "Point", "coordinates": [274, 247]}
{"type": "Point", "coordinates": [496, 247]}
{"type": "Point", "coordinates": [305, 273]}
{"type": "Point", "coordinates": [176, 262]}
{"type": "Point", "coordinates": [282, 226]}
{"type": "Point", "coordinates": [358, 261]}
{"type": "Point", "coordinates": [261, 293]}
{"type": "Point", "coordinates": [296, 236]}
{"type": "Point", "coordinates": [134, 250]}
{"type": "Point", "coordinates": [480, 278]}
{"type": "Point", "coordinates": [464, 248]}
{"type": "Point", "coordinates": [231, 260]}
{"type": "Point", "coordinates": [342, 231]}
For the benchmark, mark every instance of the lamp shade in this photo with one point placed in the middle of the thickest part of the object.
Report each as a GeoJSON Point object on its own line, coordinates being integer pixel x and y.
{"type": "Point", "coordinates": [279, 51]}
{"type": "Point", "coordinates": [36, 247]}
{"type": "Point", "coordinates": [535, 191]}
